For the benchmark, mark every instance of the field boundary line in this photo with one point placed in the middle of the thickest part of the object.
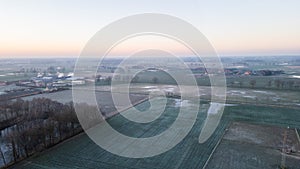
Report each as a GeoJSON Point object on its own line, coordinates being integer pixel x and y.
{"type": "Point", "coordinates": [112, 114]}
{"type": "Point", "coordinates": [217, 145]}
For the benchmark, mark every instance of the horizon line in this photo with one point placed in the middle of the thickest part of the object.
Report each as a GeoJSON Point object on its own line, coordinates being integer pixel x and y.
{"type": "Point", "coordinates": [114, 57]}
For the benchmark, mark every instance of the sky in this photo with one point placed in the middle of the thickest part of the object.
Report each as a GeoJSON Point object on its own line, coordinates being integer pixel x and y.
{"type": "Point", "coordinates": [48, 28]}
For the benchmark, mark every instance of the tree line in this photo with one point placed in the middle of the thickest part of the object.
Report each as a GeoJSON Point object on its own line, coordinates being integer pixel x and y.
{"type": "Point", "coordinates": [32, 126]}
{"type": "Point", "coordinates": [268, 84]}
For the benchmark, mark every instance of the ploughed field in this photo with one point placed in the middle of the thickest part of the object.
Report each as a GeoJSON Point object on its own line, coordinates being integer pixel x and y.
{"type": "Point", "coordinates": [81, 152]}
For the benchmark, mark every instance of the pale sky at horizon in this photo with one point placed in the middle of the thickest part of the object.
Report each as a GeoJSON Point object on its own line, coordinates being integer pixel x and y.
{"type": "Point", "coordinates": [62, 27]}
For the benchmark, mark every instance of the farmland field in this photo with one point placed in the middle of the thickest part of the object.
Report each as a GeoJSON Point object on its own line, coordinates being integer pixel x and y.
{"type": "Point", "coordinates": [104, 99]}
{"type": "Point", "coordinates": [234, 95]}
{"type": "Point", "coordinates": [256, 146]}
{"type": "Point", "coordinates": [10, 87]}
{"type": "Point", "coordinates": [82, 152]}
{"type": "Point", "coordinates": [64, 96]}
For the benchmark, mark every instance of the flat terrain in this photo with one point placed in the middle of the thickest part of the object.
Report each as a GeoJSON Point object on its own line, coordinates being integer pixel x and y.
{"type": "Point", "coordinates": [234, 95]}
{"type": "Point", "coordinates": [104, 99]}
{"type": "Point", "coordinates": [256, 146]}
{"type": "Point", "coordinates": [81, 152]}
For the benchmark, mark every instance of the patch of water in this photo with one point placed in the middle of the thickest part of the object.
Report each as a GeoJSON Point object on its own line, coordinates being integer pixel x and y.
{"type": "Point", "coordinates": [149, 87]}
{"type": "Point", "coordinates": [294, 76]}
{"type": "Point", "coordinates": [215, 108]}
{"type": "Point", "coordinates": [182, 103]}
{"type": "Point", "coordinates": [251, 97]}
{"type": "Point", "coordinates": [236, 92]}
{"type": "Point", "coordinates": [263, 92]}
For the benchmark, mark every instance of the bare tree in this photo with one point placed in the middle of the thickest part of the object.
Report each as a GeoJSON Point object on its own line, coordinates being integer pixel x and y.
{"type": "Point", "coordinates": [154, 80]}
{"type": "Point", "coordinates": [252, 83]}
{"type": "Point", "coordinates": [291, 84]}
{"type": "Point", "coordinates": [13, 146]}
{"type": "Point", "coordinates": [282, 84]}
{"type": "Point", "coordinates": [241, 83]}
{"type": "Point", "coordinates": [36, 123]}
{"type": "Point", "coordinates": [2, 155]}
{"type": "Point", "coordinates": [277, 83]}
{"type": "Point", "coordinates": [269, 84]}
{"type": "Point", "coordinates": [135, 79]}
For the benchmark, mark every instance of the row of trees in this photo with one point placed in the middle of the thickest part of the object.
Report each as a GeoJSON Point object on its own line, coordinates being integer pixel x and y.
{"type": "Point", "coordinates": [276, 84]}
{"type": "Point", "coordinates": [36, 125]}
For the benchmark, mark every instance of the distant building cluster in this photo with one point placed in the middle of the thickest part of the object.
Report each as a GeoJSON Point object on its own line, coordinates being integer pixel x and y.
{"type": "Point", "coordinates": [237, 71]}
{"type": "Point", "coordinates": [50, 81]}
{"type": "Point", "coordinates": [247, 72]}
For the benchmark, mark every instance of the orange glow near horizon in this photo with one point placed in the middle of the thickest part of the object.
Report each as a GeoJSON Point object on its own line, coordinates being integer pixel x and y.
{"type": "Point", "coordinates": [73, 50]}
{"type": "Point", "coordinates": [236, 45]}
{"type": "Point", "coordinates": [39, 48]}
